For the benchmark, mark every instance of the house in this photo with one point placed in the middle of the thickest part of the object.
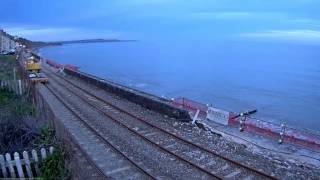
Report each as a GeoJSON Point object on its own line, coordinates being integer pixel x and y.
{"type": "Point", "coordinates": [7, 43]}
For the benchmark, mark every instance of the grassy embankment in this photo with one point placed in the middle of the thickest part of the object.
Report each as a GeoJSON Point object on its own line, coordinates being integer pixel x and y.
{"type": "Point", "coordinates": [13, 109]}
{"type": "Point", "coordinates": [17, 131]}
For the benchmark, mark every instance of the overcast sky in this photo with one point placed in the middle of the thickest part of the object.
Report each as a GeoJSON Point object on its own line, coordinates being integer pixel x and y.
{"type": "Point", "coordinates": [294, 20]}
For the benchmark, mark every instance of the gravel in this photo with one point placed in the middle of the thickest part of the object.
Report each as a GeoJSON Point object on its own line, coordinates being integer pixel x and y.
{"type": "Point", "coordinates": [270, 163]}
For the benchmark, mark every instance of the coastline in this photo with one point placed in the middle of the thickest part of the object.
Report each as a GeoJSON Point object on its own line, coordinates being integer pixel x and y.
{"type": "Point", "coordinates": [267, 153]}
{"type": "Point", "coordinates": [257, 128]}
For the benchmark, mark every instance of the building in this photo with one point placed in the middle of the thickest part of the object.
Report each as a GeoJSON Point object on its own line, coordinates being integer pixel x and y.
{"type": "Point", "coordinates": [1, 40]}
{"type": "Point", "coordinates": [7, 42]}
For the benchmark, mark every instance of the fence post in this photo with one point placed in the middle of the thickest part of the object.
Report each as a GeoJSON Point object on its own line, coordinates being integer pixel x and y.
{"type": "Point", "coordinates": [14, 73]}
{"type": "Point", "coordinates": [20, 88]}
{"type": "Point", "coordinates": [36, 160]}
{"type": "Point", "coordinates": [195, 116]}
{"type": "Point", "coordinates": [3, 166]}
{"type": "Point", "coordinates": [243, 119]}
{"type": "Point", "coordinates": [11, 169]}
{"type": "Point", "coordinates": [51, 149]}
{"type": "Point", "coordinates": [27, 164]}
{"type": "Point", "coordinates": [10, 85]}
{"type": "Point", "coordinates": [282, 131]}
{"type": "Point", "coordinates": [18, 165]}
{"type": "Point", "coordinates": [43, 154]}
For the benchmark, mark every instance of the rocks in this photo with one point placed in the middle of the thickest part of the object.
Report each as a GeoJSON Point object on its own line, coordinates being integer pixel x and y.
{"type": "Point", "coordinates": [281, 168]}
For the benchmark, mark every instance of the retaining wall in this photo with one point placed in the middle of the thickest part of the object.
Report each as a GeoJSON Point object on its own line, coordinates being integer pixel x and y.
{"type": "Point", "coordinates": [146, 100]}
{"type": "Point", "coordinates": [76, 161]}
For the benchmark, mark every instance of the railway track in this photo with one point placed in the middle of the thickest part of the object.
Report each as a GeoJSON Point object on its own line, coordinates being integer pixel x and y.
{"type": "Point", "coordinates": [106, 141]}
{"type": "Point", "coordinates": [208, 161]}
{"type": "Point", "coordinates": [203, 173]}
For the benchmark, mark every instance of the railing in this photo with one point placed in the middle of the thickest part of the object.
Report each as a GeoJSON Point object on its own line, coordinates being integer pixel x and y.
{"type": "Point", "coordinates": [280, 132]}
{"type": "Point", "coordinates": [191, 106]}
{"type": "Point", "coordinates": [18, 167]}
{"type": "Point", "coordinates": [57, 65]}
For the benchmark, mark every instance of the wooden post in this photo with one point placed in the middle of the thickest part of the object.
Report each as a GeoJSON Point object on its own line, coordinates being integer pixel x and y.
{"type": "Point", "coordinates": [195, 117]}
{"type": "Point", "coordinates": [36, 161]}
{"type": "Point", "coordinates": [43, 154]}
{"type": "Point", "coordinates": [11, 169]}
{"type": "Point", "coordinates": [3, 166]}
{"type": "Point", "coordinates": [51, 149]}
{"type": "Point", "coordinates": [20, 88]}
{"type": "Point", "coordinates": [18, 165]}
{"type": "Point", "coordinates": [27, 164]}
{"type": "Point", "coordinates": [14, 73]}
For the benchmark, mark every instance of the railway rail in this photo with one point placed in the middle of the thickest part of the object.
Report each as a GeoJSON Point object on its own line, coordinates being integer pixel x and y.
{"type": "Point", "coordinates": [151, 133]}
{"type": "Point", "coordinates": [209, 174]}
{"type": "Point", "coordinates": [66, 105]}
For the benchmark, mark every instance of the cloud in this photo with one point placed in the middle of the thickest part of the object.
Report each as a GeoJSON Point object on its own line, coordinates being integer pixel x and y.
{"type": "Point", "coordinates": [148, 1]}
{"type": "Point", "coordinates": [305, 21]}
{"type": "Point", "coordinates": [230, 15]}
{"type": "Point", "coordinates": [300, 35]}
{"type": "Point", "coordinates": [221, 15]}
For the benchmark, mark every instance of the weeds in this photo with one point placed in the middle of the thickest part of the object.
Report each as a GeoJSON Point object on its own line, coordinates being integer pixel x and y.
{"type": "Point", "coordinates": [5, 96]}
{"type": "Point", "coordinates": [24, 109]}
{"type": "Point", "coordinates": [7, 63]}
{"type": "Point", "coordinates": [54, 166]}
{"type": "Point", "coordinates": [14, 106]}
{"type": "Point", "coordinates": [47, 137]}
{"type": "Point", "coordinates": [16, 135]}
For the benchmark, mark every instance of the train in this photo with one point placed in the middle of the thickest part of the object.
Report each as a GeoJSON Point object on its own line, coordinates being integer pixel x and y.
{"type": "Point", "coordinates": [33, 68]}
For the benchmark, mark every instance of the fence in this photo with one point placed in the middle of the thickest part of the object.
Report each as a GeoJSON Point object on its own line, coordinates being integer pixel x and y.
{"type": "Point", "coordinates": [17, 86]}
{"type": "Point", "coordinates": [22, 167]}
{"type": "Point", "coordinates": [191, 106]}
{"type": "Point", "coordinates": [283, 133]}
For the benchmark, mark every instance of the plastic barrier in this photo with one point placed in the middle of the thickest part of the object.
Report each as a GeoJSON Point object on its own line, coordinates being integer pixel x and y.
{"type": "Point", "coordinates": [275, 131]}
{"type": "Point", "coordinates": [57, 65]}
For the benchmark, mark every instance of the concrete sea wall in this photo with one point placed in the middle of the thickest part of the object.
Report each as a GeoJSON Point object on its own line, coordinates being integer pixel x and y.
{"type": "Point", "coordinates": [146, 100]}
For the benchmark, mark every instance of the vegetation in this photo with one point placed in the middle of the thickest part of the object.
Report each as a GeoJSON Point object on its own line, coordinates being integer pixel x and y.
{"type": "Point", "coordinates": [47, 137]}
{"type": "Point", "coordinates": [19, 130]}
{"type": "Point", "coordinates": [54, 166]}
{"type": "Point", "coordinates": [15, 133]}
{"type": "Point", "coordinates": [7, 63]}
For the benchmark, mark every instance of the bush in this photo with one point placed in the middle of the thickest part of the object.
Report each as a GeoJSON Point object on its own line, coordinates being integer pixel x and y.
{"type": "Point", "coordinates": [5, 96]}
{"type": "Point", "coordinates": [54, 166]}
{"type": "Point", "coordinates": [47, 137]}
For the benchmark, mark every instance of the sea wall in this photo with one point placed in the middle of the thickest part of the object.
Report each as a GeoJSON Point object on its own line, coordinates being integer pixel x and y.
{"type": "Point", "coordinates": [146, 100]}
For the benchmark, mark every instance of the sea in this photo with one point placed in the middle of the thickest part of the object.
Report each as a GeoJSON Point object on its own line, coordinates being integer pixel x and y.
{"type": "Point", "coordinates": [280, 80]}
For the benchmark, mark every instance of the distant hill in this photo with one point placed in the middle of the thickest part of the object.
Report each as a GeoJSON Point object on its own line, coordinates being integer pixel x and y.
{"type": "Point", "coordinates": [90, 41]}
{"type": "Point", "coordinates": [37, 44]}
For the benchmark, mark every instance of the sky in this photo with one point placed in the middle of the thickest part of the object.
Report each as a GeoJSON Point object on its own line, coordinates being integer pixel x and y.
{"type": "Point", "coordinates": [50, 20]}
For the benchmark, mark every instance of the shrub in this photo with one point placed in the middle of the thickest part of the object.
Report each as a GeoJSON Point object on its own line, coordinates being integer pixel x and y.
{"type": "Point", "coordinates": [54, 166]}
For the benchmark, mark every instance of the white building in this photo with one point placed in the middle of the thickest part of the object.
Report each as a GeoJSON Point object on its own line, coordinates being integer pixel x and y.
{"type": "Point", "coordinates": [7, 43]}
{"type": "Point", "coordinates": [1, 41]}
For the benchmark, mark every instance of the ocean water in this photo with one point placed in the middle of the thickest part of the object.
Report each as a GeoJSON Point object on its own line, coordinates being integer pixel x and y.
{"type": "Point", "coordinates": [281, 80]}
